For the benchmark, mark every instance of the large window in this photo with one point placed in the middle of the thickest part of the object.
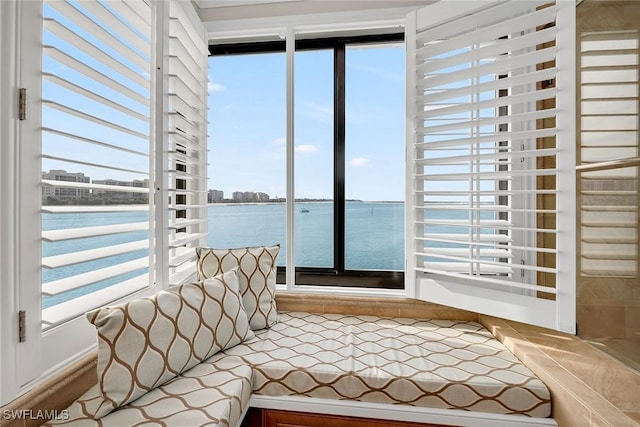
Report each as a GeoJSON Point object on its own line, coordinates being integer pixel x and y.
{"type": "Point", "coordinates": [374, 169]}
{"type": "Point", "coordinates": [348, 155]}
{"type": "Point", "coordinates": [247, 185]}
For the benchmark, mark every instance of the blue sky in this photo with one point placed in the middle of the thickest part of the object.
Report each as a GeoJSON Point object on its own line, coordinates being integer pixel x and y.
{"type": "Point", "coordinates": [247, 123]}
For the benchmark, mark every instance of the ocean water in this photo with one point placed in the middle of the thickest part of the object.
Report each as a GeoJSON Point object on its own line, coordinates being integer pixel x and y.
{"type": "Point", "coordinates": [374, 232]}
{"type": "Point", "coordinates": [374, 237]}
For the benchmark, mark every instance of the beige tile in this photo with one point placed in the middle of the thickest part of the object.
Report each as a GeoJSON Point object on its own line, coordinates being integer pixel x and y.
{"type": "Point", "coordinates": [609, 291]}
{"type": "Point", "coordinates": [307, 307]}
{"type": "Point", "coordinates": [567, 410]}
{"type": "Point", "coordinates": [613, 380]}
{"type": "Point", "coordinates": [634, 416]}
{"type": "Point", "coordinates": [385, 307]}
{"type": "Point", "coordinates": [619, 421]}
{"type": "Point", "coordinates": [574, 371]}
{"type": "Point", "coordinates": [57, 393]}
{"type": "Point", "coordinates": [632, 295]}
{"type": "Point", "coordinates": [632, 322]}
{"type": "Point", "coordinates": [357, 309]}
{"type": "Point", "coordinates": [574, 401]}
{"type": "Point", "coordinates": [595, 321]}
{"type": "Point", "coordinates": [435, 311]}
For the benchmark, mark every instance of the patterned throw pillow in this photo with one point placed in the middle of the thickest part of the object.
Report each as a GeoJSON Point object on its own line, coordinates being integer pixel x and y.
{"type": "Point", "coordinates": [145, 342]}
{"type": "Point", "coordinates": [257, 278]}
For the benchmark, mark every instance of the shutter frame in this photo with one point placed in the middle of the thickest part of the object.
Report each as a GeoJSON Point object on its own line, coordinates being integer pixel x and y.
{"type": "Point", "coordinates": [105, 84]}
{"type": "Point", "coordinates": [487, 291]}
{"type": "Point", "coordinates": [185, 152]}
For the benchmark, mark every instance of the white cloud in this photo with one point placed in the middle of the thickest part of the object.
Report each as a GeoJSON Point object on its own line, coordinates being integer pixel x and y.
{"type": "Point", "coordinates": [357, 162]}
{"type": "Point", "coordinates": [215, 87]}
{"type": "Point", "coordinates": [306, 148]}
{"type": "Point", "coordinates": [279, 141]}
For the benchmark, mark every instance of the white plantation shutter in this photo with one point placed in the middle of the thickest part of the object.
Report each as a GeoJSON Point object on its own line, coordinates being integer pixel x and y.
{"type": "Point", "coordinates": [609, 155]}
{"type": "Point", "coordinates": [492, 148]}
{"type": "Point", "coordinates": [186, 154]}
{"type": "Point", "coordinates": [96, 139]}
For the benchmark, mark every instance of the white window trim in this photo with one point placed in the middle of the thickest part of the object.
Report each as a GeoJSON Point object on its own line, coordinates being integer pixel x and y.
{"type": "Point", "coordinates": [25, 365]}
{"type": "Point", "coordinates": [8, 269]}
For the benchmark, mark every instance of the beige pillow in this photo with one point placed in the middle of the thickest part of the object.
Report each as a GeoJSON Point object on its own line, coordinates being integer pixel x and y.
{"type": "Point", "coordinates": [257, 278]}
{"type": "Point", "coordinates": [144, 343]}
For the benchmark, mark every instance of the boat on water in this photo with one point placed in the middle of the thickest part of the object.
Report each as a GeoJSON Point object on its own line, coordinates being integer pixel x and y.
{"type": "Point", "coordinates": [304, 210]}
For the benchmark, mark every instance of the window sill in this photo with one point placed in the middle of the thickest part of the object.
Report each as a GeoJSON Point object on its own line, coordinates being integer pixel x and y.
{"type": "Point", "coordinates": [588, 387]}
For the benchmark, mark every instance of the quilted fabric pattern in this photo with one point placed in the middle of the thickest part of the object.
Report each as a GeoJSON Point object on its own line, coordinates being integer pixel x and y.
{"type": "Point", "coordinates": [437, 364]}
{"type": "Point", "coordinates": [209, 394]}
{"type": "Point", "coordinates": [257, 278]}
{"type": "Point", "coordinates": [144, 343]}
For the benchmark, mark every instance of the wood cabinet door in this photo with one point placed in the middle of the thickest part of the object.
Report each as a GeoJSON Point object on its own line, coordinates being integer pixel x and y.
{"type": "Point", "coordinates": [273, 418]}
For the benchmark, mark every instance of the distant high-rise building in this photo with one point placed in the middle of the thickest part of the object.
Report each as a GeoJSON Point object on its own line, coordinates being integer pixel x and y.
{"type": "Point", "coordinates": [215, 196]}
{"type": "Point", "coordinates": [110, 197]}
{"type": "Point", "coordinates": [250, 196]}
{"type": "Point", "coordinates": [262, 197]}
{"type": "Point", "coordinates": [63, 195]}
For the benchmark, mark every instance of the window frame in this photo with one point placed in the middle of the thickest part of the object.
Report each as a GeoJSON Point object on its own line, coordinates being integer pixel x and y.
{"type": "Point", "coordinates": [337, 275]}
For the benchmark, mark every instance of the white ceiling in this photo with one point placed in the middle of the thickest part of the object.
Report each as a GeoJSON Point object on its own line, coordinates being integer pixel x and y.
{"type": "Point", "coordinates": [232, 18]}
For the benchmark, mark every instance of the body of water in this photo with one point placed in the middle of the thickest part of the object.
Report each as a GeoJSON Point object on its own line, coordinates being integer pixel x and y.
{"type": "Point", "coordinates": [374, 237]}
{"type": "Point", "coordinates": [374, 232]}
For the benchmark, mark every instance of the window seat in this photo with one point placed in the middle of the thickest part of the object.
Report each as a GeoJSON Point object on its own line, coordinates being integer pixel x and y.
{"type": "Point", "coordinates": [366, 360]}
{"type": "Point", "coordinates": [212, 393]}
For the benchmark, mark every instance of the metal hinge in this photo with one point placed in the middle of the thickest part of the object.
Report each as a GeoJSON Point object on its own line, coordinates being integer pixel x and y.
{"type": "Point", "coordinates": [22, 327]}
{"type": "Point", "coordinates": [22, 104]}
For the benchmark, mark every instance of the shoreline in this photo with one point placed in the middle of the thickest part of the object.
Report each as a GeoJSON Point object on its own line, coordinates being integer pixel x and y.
{"type": "Point", "coordinates": [303, 202]}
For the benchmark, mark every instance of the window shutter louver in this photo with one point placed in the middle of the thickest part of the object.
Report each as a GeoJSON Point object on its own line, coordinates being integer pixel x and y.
{"type": "Point", "coordinates": [490, 162]}
{"type": "Point", "coordinates": [609, 154]}
{"type": "Point", "coordinates": [96, 139]}
{"type": "Point", "coordinates": [187, 141]}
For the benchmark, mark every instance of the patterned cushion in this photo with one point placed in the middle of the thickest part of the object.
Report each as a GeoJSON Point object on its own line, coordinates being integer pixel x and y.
{"type": "Point", "coordinates": [429, 363]}
{"type": "Point", "coordinates": [257, 278]}
{"type": "Point", "coordinates": [144, 343]}
{"type": "Point", "coordinates": [212, 394]}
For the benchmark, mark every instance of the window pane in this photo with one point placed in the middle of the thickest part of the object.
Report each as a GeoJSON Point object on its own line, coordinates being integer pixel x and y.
{"type": "Point", "coordinates": [375, 157]}
{"type": "Point", "coordinates": [247, 171]}
{"type": "Point", "coordinates": [314, 158]}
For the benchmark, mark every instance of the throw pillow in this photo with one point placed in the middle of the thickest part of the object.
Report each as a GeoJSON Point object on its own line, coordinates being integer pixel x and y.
{"type": "Point", "coordinates": [145, 342]}
{"type": "Point", "coordinates": [257, 278]}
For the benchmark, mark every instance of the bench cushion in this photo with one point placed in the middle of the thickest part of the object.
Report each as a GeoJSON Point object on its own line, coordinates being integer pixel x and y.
{"type": "Point", "coordinates": [211, 393]}
{"type": "Point", "coordinates": [436, 363]}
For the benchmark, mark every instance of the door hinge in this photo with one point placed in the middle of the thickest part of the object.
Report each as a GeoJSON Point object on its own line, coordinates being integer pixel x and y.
{"type": "Point", "coordinates": [22, 327]}
{"type": "Point", "coordinates": [22, 104]}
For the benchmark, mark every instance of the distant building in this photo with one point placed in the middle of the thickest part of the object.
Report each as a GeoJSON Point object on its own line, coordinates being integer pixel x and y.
{"type": "Point", "coordinates": [250, 196]}
{"type": "Point", "coordinates": [215, 196]}
{"type": "Point", "coordinates": [262, 197]}
{"type": "Point", "coordinates": [239, 196]}
{"type": "Point", "coordinates": [115, 197]}
{"type": "Point", "coordinates": [64, 195]}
